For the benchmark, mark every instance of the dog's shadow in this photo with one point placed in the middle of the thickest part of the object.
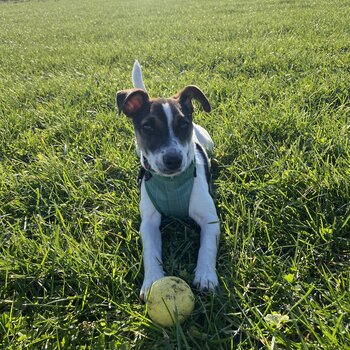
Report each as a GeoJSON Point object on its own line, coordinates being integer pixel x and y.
{"type": "Point", "coordinates": [180, 239]}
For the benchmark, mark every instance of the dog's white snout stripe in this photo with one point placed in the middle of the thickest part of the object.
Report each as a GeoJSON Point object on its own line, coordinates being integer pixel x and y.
{"type": "Point", "coordinates": [169, 117]}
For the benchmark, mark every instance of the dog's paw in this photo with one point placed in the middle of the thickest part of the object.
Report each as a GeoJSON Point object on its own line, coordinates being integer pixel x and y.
{"type": "Point", "coordinates": [206, 280]}
{"type": "Point", "coordinates": [147, 282]}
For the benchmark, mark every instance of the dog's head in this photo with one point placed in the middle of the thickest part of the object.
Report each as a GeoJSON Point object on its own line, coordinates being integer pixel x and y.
{"type": "Point", "coordinates": [163, 127]}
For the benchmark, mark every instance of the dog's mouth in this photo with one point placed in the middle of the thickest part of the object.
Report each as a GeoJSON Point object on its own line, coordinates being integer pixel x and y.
{"type": "Point", "coordinates": [170, 172]}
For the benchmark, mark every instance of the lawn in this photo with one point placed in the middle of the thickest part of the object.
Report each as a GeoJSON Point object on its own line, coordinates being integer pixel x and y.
{"type": "Point", "coordinates": [277, 75]}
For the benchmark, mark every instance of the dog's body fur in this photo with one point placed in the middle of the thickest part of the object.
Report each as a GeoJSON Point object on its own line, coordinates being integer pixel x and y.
{"type": "Point", "coordinates": [166, 138]}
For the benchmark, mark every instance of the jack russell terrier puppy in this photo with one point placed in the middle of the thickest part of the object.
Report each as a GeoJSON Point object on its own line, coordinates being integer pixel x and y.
{"type": "Point", "coordinates": [174, 175]}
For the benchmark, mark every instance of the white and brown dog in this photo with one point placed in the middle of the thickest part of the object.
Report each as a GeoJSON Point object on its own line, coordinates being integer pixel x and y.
{"type": "Point", "coordinates": [170, 146]}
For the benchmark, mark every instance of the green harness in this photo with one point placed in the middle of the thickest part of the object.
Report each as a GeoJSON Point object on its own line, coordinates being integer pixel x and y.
{"type": "Point", "coordinates": [171, 195]}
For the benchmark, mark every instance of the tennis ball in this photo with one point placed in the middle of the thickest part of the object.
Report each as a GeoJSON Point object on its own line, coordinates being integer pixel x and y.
{"type": "Point", "coordinates": [169, 299]}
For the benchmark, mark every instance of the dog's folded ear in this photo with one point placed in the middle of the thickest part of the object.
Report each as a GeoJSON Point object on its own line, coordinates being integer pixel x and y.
{"type": "Point", "coordinates": [131, 101]}
{"type": "Point", "coordinates": [189, 93]}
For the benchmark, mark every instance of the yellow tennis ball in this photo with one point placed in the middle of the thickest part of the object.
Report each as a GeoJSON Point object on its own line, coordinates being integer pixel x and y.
{"type": "Point", "coordinates": [169, 299]}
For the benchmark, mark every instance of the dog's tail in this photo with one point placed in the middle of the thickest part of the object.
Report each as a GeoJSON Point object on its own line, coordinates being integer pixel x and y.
{"type": "Point", "coordinates": [137, 76]}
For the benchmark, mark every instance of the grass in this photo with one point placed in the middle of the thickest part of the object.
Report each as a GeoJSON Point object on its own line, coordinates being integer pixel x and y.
{"type": "Point", "coordinates": [277, 75]}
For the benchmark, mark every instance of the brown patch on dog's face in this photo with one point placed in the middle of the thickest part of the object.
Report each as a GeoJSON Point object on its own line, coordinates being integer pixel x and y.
{"type": "Point", "coordinates": [151, 128]}
{"type": "Point", "coordinates": [182, 122]}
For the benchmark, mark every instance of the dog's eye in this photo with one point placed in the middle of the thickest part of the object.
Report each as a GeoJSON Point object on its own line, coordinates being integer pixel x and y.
{"type": "Point", "coordinates": [184, 124]}
{"type": "Point", "coordinates": [147, 128]}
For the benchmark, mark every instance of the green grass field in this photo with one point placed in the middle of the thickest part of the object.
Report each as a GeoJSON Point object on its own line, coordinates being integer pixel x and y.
{"type": "Point", "coordinates": [277, 73]}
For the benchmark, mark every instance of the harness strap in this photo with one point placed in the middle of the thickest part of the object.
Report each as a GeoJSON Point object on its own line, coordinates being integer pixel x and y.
{"type": "Point", "coordinates": [206, 161]}
{"type": "Point", "coordinates": [144, 172]}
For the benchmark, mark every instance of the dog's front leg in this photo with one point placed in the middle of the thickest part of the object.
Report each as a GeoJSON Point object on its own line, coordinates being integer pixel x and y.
{"type": "Point", "coordinates": [203, 211]}
{"type": "Point", "coordinates": [151, 242]}
{"type": "Point", "coordinates": [205, 273]}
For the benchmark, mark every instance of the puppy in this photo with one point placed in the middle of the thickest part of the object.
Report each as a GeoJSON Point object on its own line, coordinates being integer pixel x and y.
{"type": "Point", "coordinates": [174, 175]}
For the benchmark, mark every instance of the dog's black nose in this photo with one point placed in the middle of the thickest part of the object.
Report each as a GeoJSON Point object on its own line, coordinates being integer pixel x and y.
{"type": "Point", "coordinates": [172, 161]}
